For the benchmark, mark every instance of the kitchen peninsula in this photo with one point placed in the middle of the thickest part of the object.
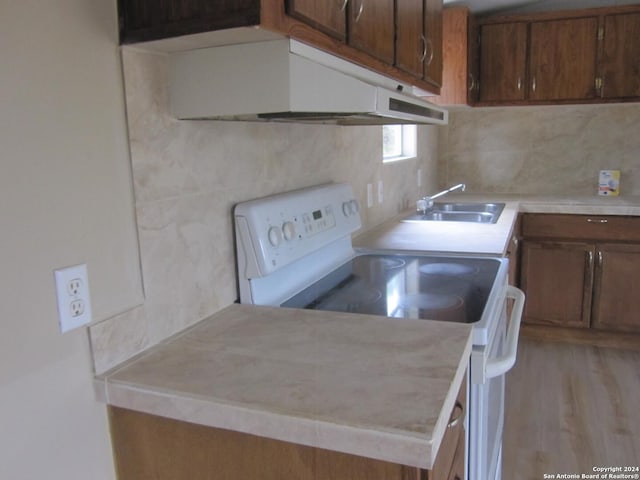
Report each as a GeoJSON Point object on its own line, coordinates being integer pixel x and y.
{"type": "Point", "coordinates": [354, 384]}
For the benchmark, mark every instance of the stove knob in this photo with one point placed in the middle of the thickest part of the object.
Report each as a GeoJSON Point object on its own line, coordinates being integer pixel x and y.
{"type": "Point", "coordinates": [288, 230]}
{"type": "Point", "coordinates": [347, 209]}
{"type": "Point", "coordinates": [275, 236]}
{"type": "Point", "coordinates": [355, 206]}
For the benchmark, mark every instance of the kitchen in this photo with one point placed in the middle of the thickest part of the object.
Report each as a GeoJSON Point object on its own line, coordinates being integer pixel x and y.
{"type": "Point", "coordinates": [185, 182]}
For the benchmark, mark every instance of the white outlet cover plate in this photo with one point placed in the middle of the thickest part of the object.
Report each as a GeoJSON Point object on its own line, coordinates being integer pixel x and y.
{"type": "Point", "coordinates": [69, 298]}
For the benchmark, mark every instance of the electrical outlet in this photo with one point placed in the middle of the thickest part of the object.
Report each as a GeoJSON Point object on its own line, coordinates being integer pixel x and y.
{"type": "Point", "coordinates": [77, 308]}
{"type": "Point", "coordinates": [380, 195]}
{"type": "Point", "coordinates": [74, 286]}
{"type": "Point", "coordinates": [72, 291]}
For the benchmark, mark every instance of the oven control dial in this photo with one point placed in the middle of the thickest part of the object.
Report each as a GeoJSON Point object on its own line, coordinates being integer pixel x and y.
{"type": "Point", "coordinates": [275, 236]}
{"type": "Point", "coordinates": [288, 230]}
{"type": "Point", "coordinates": [350, 207]}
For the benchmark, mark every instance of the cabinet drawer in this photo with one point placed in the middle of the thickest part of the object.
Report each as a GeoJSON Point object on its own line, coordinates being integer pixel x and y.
{"type": "Point", "coordinates": [581, 227]}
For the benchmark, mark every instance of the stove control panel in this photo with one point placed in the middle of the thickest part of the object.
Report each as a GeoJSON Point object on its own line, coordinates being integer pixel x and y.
{"type": "Point", "coordinates": [274, 231]}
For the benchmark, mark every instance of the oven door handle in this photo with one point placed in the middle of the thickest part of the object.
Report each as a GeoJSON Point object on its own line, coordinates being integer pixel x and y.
{"type": "Point", "coordinates": [500, 365]}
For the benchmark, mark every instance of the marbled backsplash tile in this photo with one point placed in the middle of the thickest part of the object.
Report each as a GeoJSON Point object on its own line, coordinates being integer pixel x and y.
{"type": "Point", "coordinates": [187, 177]}
{"type": "Point", "coordinates": [551, 150]}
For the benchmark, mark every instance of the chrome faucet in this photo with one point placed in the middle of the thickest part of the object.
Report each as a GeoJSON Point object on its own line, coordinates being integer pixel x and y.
{"type": "Point", "coordinates": [425, 203]}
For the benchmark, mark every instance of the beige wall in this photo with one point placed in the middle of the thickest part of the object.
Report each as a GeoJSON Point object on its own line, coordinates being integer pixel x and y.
{"type": "Point", "coordinates": [554, 150]}
{"type": "Point", "coordinates": [189, 174]}
{"type": "Point", "coordinates": [65, 198]}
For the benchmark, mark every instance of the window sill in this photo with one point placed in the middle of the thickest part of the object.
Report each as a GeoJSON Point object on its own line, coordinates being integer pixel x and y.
{"type": "Point", "coordinates": [398, 159]}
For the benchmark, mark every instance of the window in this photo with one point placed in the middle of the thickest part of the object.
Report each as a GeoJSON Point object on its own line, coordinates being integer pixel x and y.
{"type": "Point", "coordinates": [399, 142]}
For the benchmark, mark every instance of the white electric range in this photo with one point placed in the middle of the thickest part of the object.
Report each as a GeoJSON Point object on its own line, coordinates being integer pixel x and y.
{"type": "Point", "coordinates": [294, 250]}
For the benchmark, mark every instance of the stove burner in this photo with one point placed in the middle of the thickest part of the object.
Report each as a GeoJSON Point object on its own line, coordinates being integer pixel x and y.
{"type": "Point", "coordinates": [434, 306]}
{"type": "Point", "coordinates": [431, 301]}
{"type": "Point", "coordinates": [449, 269]}
{"type": "Point", "coordinates": [386, 263]}
{"type": "Point", "coordinates": [355, 298]}
{"type": "Point", "coordinates": [350, 296]}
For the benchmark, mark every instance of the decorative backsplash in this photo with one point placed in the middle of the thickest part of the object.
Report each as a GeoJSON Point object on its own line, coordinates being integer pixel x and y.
{"type": "Point", "coordinates": [187, 177]}
{"type": "Point", "coordinates": [551, 150]}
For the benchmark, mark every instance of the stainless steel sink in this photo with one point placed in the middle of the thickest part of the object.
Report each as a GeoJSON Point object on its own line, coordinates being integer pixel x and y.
{"type": "Point", "coordinates": [493, 208]}
{"type": "Point", "coordinates": [459, 212]}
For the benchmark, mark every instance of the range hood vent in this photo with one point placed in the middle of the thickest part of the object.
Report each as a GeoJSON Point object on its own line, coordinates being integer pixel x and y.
{"type": "Point", "coordinates": [286, 81]}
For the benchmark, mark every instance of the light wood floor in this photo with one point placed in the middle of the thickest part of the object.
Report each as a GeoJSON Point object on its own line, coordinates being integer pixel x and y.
{"type": "Point", "coordinates": [570, 408]}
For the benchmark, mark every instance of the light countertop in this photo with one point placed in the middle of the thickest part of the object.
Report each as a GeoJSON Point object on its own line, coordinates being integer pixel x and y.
{"type": "Point", "coordinates": [346, 382]}
{"type": "Point", "coordinates": [484, 239]}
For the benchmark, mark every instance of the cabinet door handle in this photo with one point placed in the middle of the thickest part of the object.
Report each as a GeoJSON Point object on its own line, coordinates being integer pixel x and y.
{"type": "Point", "coordinates": [519, 83]}
{"type": "Point", "coordinates": [424, 48]}
{"type": "Point", "coordinates": [472, 82]}
{"type": "Point", "coordinates": [430, 48]}
{"type": "Point", "coordinates": [590, 255]}
{"type": "Point", "coordinates": [360, 10]}
{"type": "Point", "coordinates": [597, 220]}
{"type": "Point", "coordinates": [344, 5]}
{"type": "Point", "coordinates": [533, 84]}
{"type": "Point", "coordinates": [455, 419]}
{"type": "Point", "coordinates": [600, 258]}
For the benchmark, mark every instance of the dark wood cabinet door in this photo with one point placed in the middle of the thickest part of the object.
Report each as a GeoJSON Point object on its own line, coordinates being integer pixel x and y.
{"type": "Point", "coordinates": [419, 38]}
{"type": "Point", "coordinates": [616, 303]}
{"type": "Point", "coordinates": [371, 26]}
{"type": "Point", "coordinates": [621, 56]}
{"type": "Point", "coordinates": [142, 20]}
{"type": "Point", "coordinates": [411, 48]}
{"type": "Point", "coordinates": [503, 53]}
{"type": "Point", "coordinates": [557, 278]}
{"type": "Point", "coordinates": [433, 41]}
{"type": "Point", "coordinates": [329, 16]}
{"type": "Point", "coordinates": [563, 59]}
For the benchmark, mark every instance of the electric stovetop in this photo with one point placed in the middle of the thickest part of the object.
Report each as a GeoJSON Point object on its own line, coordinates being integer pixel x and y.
{"type": "Point", "coordinates": [403, 286]}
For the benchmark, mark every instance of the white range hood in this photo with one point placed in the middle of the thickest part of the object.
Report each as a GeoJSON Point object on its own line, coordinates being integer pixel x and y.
{"type": "Point", "coordinates": [285, 80]}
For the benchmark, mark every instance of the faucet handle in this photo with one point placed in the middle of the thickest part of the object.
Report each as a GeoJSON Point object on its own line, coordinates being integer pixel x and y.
{"type": "Point", "coordinates": [422, 205]}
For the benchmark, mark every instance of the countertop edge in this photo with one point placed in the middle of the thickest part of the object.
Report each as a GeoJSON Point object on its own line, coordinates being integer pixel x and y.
{"type": "Point", "coordinates": [382, 443]}
{"type": "Point", "coordinates": [387, 446]}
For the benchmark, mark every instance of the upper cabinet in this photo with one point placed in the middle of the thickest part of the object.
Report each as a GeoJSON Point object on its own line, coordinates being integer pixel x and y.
{"type": "Point", "coordinates": [433, 41]}
{"type": "Point", "coordinates": [143, 20]}
{"type": "Point", "coordinates": [328, 17]}
{"type": "Point", "coordinates": [620, 65]}
{"type": "Point", "coordinates": [401, 39]}
{"type": "Point", "coordinates": [562, 59]}
{"type": "Point", "coordinates": [583, 56]}
{"type": "Point", "coordinates": [419, 38]}
{"type": "Point", "coordinates": [411, 42]}
{"type": "Point", "coordinates": [503, 55]}
{"type": "Point", "coordinates": [372, 28]}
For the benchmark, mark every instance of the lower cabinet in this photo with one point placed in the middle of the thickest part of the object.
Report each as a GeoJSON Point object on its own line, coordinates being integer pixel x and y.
{"type": "Point", "coordinates": [557, 279]}
{"type": "Point", "coordinates": [457, 469]}
{"type": "Point", "coordinates": [581, 271]}
{"type": "Point", "coordinates": [149, 447]}
{"type": "Point", "coordinates": [616, 302]}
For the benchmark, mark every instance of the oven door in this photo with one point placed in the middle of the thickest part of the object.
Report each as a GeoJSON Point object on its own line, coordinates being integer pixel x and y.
{"type": "Point", "coordinates": [486, 415]}
{"type": "Point", "coordinates": [489, 364]}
